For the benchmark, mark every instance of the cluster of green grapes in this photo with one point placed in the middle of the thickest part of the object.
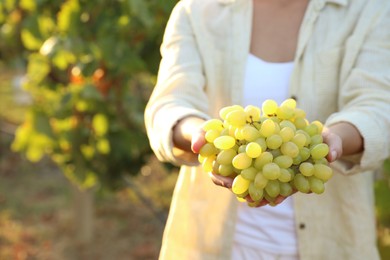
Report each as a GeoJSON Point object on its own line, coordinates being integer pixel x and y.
{"type": "Point", "coordinates": [269, 151]}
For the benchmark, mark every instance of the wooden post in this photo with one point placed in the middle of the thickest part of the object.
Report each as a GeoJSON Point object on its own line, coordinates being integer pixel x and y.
{"type": "Point", "coordinates": [83, 217]}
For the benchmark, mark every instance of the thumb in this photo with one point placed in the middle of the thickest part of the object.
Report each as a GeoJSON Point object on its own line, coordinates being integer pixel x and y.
{"type": "Point", "coordinates": [198, 140]}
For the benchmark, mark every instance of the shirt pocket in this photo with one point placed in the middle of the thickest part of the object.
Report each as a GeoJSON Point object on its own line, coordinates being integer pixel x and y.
{"type": "Point", "coordinates": [327, 78]}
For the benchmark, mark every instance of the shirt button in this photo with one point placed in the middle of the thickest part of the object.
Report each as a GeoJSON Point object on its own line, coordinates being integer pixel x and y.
{"type": "Point", "coordinates": [302, 226]}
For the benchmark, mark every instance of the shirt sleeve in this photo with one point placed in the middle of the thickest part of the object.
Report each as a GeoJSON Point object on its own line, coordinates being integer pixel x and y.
{"type": "Point", "coordinates": [364, 99]}
{"type": "Point", "coordinates": [179, 91]}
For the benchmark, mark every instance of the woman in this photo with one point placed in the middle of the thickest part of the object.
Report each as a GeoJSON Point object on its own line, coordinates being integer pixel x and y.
{"type": "Point", "coordinates": [333, 56]}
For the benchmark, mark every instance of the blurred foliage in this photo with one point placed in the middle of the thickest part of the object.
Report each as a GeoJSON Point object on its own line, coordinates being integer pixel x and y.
{"type": "Point", "coordinates": [90, 68]}
{"type": "Point", "coordinates": [382, 195]}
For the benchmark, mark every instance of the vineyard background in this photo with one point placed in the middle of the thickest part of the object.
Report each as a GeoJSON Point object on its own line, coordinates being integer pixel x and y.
{"type": "Point", "coordinates": [77, 177]}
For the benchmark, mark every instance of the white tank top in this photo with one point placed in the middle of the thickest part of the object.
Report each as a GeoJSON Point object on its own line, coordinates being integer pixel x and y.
{"type": "Point", "coordinates": [267, 228]}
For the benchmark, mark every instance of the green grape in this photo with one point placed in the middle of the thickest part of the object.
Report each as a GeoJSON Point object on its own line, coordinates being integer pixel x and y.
{"type": "Point", "coordinates": [249, 173]}
{"type": "Point", "coordinates": [312, 129]}
{"type": "Point", "coordinates": [240, 185]}
{"type": "Point", "coordinates": [306, 168]}
{"type": "Point", "coordinates": [250, 133]}
{"type": "Point", "coordinates": [301, 183]}
{"type": "Point", "coordinates": [275, 153]}
{"type": "Point", "coordinates": [285, 112]}
{"type": "Point", "coordinates": [262, 143]}
{"type": "Point", "coordinates": [276, 121]}
{"type": "Point", "coordinates": [208, 149]}
{"type": "Point", "coordinates": [260, 181]}
{"type": "Point", "coordinates": [213, 124]}
{"type": "Point", "coordinates": [226, 169]}
{"type": "Point", "coordinates": [283, 161]}
{"type": "Point", "coordinates": [236, 118]}
{"type": "Point", "coordinates": [308, 138]}
{"type": "Point", "coordinates": [271, 171]}
{"type": "Point", "coordinates": [290, 102]}
{"type": "Point", "coordinates": [287, 123]}
{"type": "Point", "coordinates": [300, 140]}
{"type": "Point", "coordinates": [322, 160]}
{"type": "Point", "coordinates": [215, 167]}
{"type": "Point", "coordinates": [207, 163]}
{"type": "Point", "coordinates": [253, 149]}
{"type": "Point", "coordinates": [232, 129]}
{"type": "Point", "coordinates": [253, 204]}
{"type": "Point", "coordinates": [285, 189]}
{"type": "Point", "coordinates": [241, 197]}
{"type": "Point", "coordinates": [226, 156]}
{"type": "Point", "coordinates": [224, 142]}
{"type": "Point", "coordinates": [242, 148]}
{"type": "Point", "coordinates": [285, 175]}
{"type": "Point", "coordinates": [201, 158]}
{"type": "Point", "coordinates": [226, 110]}
{"type": "Point", "coordinates": [300, 123]}
{"type": "Point", "coordinates": [252, 113]}
{"type": "Point", "coordinates": [287, 133]}
{"type": "Point", "coordinates": [271, 200]}
{"type": "Point", "coordinates": [319, 151]}
{"type": "Point", "coordinates": [304, 153]}
{"type": "Point", "coordinates": [269, 107]}
{"type": "Point", "coordinates": [300, 113]}
{"type": "Point", "coordinates": [225, 131]}
{"type": "Point", "coordinates": [238, 134]}
{"type": "Point", "coordinates": [316, 139]}
{"type": "Point", "coordinates": [273, 188]}
{"type": "Point", "coordinates": [267, 128]}
{"type": "Point", "coordinates": [297, 160]}
{"type": "Point", "coordinates": [319, 125]}
{"type": "Point", "coordinates": [211, 135]}
{"type": "Point", "coordinates": [274, 141]}
{"type": "Point", "coordinates": [290, 149]}
{"type": "Point", "coordinates": [255, 193]}
{"type": "Point", "coordinates": [241, 161]}
{"type": "Point", "coordinates": [263, 159]}
{"type": "Point", "coordinates": [316, 185]}
{"type": "Point", "coordinates": [322, 172]}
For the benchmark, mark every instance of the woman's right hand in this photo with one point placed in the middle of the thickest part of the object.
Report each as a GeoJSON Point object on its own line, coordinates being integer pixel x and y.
{"type": "Point", "coordinates": [197, 141]}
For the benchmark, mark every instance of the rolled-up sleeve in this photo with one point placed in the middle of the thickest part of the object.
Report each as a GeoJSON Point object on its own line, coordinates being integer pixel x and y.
{"type": "Point", "coordinates": [364, 99]}
{"type": "Point", "coordinates": [179, 91]}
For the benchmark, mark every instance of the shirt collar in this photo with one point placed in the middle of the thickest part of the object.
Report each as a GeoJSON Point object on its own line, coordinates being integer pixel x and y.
{"type": "Point", "coordinates": [339, 2]}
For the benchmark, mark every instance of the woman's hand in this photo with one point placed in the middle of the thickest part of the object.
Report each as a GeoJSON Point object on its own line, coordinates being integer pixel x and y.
{"type": "Point", "coordinates": [197, 141]}
{"type": "Point", "coordinates": [335, 144]}
{"type": "Point", "coordinates": [343, 139]}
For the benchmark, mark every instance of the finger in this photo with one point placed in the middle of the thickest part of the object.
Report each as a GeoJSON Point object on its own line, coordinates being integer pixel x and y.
{"type": "Point", "coordinates": [279, 199]}
{"type": "Point", "coordinates": [335, 145]}
{"type": "Point", "coordinates": [263, 202]}
{"type": "Point", "coordinates": [197, 141]}
{"type": "Point", "coordinates": [221, 180]}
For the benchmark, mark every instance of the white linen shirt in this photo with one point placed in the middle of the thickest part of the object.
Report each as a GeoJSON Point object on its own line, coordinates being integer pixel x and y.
{"type": "Point", "coordinates": [341, 73]}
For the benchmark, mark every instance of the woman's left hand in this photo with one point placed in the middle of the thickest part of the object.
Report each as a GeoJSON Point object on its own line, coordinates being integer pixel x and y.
{"type": "Point", "coordinates": [335, 144]}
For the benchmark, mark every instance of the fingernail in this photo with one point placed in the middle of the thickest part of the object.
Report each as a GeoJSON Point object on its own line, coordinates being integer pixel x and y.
{"type": "Point", "coordinates": [334, 155]}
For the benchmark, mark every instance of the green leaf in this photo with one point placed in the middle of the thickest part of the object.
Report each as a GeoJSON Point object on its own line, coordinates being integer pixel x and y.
{"type": "Point", "coordinates": [30, 41]}
{"type": "Point", "coordinates": [69, 15]}
{"type": "Point", "coordinates": [100, 124]}
{"type": "Point", "coordinates": [140, 9]}
{"type": "Point", "coordinates": [38, 68]}
{"type": "Point", "coordinates": [41, 124]}
{"type": "Point", "coordinates": [28, 5]}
